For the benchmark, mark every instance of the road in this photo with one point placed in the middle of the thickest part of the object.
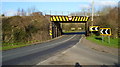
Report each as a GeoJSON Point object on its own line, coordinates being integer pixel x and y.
{"type": "Point", "coordinates": [33, 54]}
{"type": "Point", "coordinates": [36, 54]}
{"type": "Point", "coordinates": [84, 55]}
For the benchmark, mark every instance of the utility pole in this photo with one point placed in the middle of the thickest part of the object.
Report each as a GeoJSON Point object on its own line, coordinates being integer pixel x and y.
{"type": "Point", "coordinates": [44, 12]}
{"type": "Point", "coordinates": [56, 12]}
{"type": "Point", "coordinates": [83, 12]}
{"type": "Point", "coordinates": [62, 12]}
{"type": "Point", "coordinates": [62, 15]}
{"type": "Point", "coordinates": [50, 12]}
{"type": "Point", "coordinates": [92, 11]}
{"type": "Point", "coordinates": [89, 12]}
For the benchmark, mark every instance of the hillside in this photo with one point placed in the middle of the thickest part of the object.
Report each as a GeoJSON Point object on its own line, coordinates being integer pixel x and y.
{"type": "Point", "coordinates": [25, 29]}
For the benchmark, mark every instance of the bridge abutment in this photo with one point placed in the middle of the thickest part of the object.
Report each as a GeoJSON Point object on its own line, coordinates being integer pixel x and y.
{"type": "Point", "coordinates": [55, 30]}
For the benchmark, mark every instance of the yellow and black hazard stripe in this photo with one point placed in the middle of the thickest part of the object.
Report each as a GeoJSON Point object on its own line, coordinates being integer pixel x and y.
{"type": "Point", "coordinates": [59, 18]}
{"type": "Point", "coordinates": [80, 18]}
{"type": "Point", "coordinates": [50, 32]}
{"type": "Point", "coordinates": [66, 18]}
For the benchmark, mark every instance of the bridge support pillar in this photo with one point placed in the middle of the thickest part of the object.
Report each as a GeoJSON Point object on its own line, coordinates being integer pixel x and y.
{"type": "Point", "coordinates": [54, 31]}
{"type": "Point", "coordinates": [58, 29]}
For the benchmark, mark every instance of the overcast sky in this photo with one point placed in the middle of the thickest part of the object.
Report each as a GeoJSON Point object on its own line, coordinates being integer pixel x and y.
{"type": "Point", "coordinates": [10, 7]}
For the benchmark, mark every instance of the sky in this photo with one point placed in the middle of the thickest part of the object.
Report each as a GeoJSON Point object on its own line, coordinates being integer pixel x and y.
{"type": "Point", "coordinates": [10, 7]}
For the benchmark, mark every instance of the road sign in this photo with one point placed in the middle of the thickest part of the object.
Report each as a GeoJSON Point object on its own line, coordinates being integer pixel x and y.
{"type": "Point", "coordinates": [70, 18]}
{"type": "Point", "coordinates": [105, 31]}
{"type": "Point", "coordinates": [94, 28]}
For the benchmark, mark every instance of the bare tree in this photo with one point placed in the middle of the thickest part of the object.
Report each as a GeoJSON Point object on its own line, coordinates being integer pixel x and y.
{"type": "Point", "coordinates": [105, 10]}
{"type": "Point", "coordinates": [23, 13]}
{"type": "Point", "coordinates": [3, 15]}
{"type": "Point", "coordinates": [18, 12]}
{"type": "Point", "coordinates": [31, 10]}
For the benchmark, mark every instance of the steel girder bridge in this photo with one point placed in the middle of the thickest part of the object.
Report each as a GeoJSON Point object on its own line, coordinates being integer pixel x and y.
{"type": "Point", "coordinates": [55, 29]}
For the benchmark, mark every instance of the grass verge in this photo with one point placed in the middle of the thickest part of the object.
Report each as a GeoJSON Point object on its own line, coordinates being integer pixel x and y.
{"type": "Point", "coordinates": [98, 40]}
{"type": "Point", "coordinates": [14, 46]}
{"type": "Point", "coordinates": [7, 46]}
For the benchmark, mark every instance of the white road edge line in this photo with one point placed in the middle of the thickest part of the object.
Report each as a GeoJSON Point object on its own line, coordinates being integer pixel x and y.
{"type": "Point", "coordinates": [55, 43]}
{"type": "Point", "coordinates": [41, 47]}
{"type": "Point", "coordinates": [62, 52]}
{"type": "Point", "coordinates": [72, 46]}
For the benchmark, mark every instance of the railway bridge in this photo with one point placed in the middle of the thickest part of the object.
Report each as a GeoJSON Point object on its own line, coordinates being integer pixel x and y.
{"type": "Point", "coordinates": [55, 29]}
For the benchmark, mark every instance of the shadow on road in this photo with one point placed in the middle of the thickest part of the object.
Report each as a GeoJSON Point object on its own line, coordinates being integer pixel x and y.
{"type": "Point", "coordinates": [98, 38]}
{"type": "Point", "coordinates": [78, 65]}
{"type": "Point", "coordinates": [72, 33]}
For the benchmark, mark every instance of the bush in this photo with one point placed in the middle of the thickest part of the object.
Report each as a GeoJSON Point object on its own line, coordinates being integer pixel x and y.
{"type": "Point", "coordinates": [109, 21]}
{"type": "Point", "coordinates": [23, 29]}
